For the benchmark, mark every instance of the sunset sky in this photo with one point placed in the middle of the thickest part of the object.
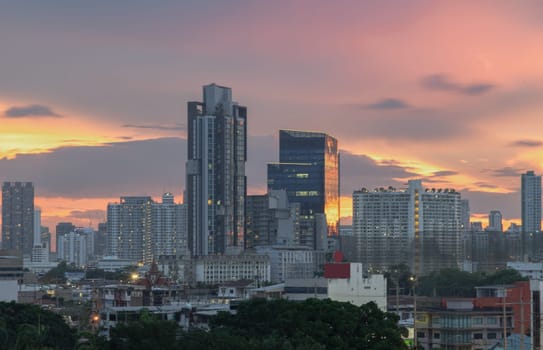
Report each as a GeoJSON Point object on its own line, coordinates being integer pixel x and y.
{"type": "Point", "coordinates": [93, 93]}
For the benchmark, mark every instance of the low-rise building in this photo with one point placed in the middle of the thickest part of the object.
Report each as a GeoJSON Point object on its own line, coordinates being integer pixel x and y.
{"type": "Point", "coordinates": [11, 274]}
{"type": "Point", "coordinates": [215, 269]}
{"type": "Point", "coordinates": [459, 324]}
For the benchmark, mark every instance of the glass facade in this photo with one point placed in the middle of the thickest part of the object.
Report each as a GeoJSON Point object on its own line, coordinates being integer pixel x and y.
{"type": "Point", "coordinates": [308, 170]}
{"type": "Point", "coordinates": [215, 169]}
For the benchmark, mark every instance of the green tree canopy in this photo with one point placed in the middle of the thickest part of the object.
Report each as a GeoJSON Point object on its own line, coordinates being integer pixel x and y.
{"type": "Point", "coordinates": [25, 326]}
{"type": "Point", "coordinates": [456, 283]}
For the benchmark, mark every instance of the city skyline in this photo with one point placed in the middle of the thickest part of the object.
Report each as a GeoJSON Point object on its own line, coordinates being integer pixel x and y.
{"type": "Point", "coordinates": [445, 92]}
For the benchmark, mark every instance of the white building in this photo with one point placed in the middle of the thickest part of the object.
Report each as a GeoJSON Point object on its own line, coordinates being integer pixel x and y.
{"type": "Point", "coordinates": [421, 227]}
{"type": "Point", "coordinates": [112, 263]}
{"type": "Point", "coordinates": [346, 282]}
{"type": "Point", "coordinates": [358, 288]}
{"type": "Point", "coordinates": [215, 269]}
{"type": "Point", "coordinates": [11, 274]}
{"type": "Point", "coordinates": [292, 261]}
{"type": "Point", "coordinates": [77, 246]}
{"type": "Point", "coordinates": [169, 228]}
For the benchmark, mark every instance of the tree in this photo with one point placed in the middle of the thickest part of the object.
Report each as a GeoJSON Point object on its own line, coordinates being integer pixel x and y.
{"type": "Point", "coordinates": [312, 324]}
{"type": "Point", "coordinates": [147, 333]}
{"type": "Point", "coordinates": [25, 326]}
{"type": "Point", "coordinates": [456, 283]}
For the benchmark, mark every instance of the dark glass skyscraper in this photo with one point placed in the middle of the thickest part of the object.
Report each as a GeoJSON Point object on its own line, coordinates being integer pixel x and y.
{"type": "Point", "coordinates": [215, 170]}
{"type": "Point", "coordinates": [18, 216]}
{"type": "Point", "coordinates": [308, 170]}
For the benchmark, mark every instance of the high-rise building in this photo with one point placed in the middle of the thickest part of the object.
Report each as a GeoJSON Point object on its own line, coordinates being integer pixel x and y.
{"type": "Point", "coordinates": [215, 169]}
{"type": "Point", "coordinates": [61, 229]}
{"type": "Point", "coordinates": [77, 246]}
{"type": "Point", "coordinates": [18, 216]}
{"type": "Point", "coordinates": [169, 227]}
{"type": "Point", "coordinates": [308, 170]}
{"type": "Point", "coordinates": [100, 239]}
{"type": "Point", "coordinates": [129, 229]}
{"type": "Point", "coordinates": [420, 227]}
{"type": "Point", "coordinates": [465, 215]}
{"type": "Point", "coordinates": [531, 203]}
{"type": "Point", "coordinates": [495, 221]}
{"type": "Point", "coordinates": [271, 220]}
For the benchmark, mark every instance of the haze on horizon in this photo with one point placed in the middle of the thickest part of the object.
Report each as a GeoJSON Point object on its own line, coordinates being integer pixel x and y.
{"type": "Point", "coordinates": [93, 95]}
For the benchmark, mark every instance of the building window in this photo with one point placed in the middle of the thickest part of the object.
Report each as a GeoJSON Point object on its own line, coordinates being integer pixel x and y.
{"type": "Point", "coordinates": [491, 336]}
{"type": "Point", "coordinates": [420, 335]}
{"type": "Point", "coordinates": [491, 320]}
{"type": "Point", "coordinates": [477, 335]}
{"type": "Point", "coordinates": [437, 335]}
{"type": "Point", "coordinates": [477, 320]}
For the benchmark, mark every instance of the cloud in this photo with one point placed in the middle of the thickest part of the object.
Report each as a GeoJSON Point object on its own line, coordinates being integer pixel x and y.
{"type": "Point", "coordinates": [147, 167]}
{"type": "Point", "coordinates": [444, 173]}
{"type": "Point", "coordinates": [485, 185]}
{"type": "Point", "coordinates": [30, 111]}
{"type": "Point", "coordinates": [526, 143]}
{"type": "Point", "coordinates": [359, 171]}
{"type": "Point", "coordinates": [505, 172]}
{"type": "Point", "coordinates": [177, 126]}
{"type": "Point", "coordinates": [122, 168]}
{"type": "Point", "coordinates": [442, 82]}
{"type": "Point", "coordinates": [388, 103]}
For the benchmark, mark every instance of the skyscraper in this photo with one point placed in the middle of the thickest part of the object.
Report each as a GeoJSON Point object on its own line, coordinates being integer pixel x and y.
{"type": "Point", "coordinates": [18, 216]}
{"type": "Point", "coordinates": [531, 202]}
{"type": "Point", "coordinates": [495, 221]}
{"type": "Point", "coordinates": [215, 170]}
{"type": "Point", "coordinates": [308, 170]}
{"type": "Point", "coordinates": [416, 226]}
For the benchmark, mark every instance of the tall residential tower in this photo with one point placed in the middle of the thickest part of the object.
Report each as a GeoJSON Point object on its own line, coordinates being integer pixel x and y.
{"type": "Point", "coordinates": [416, 226]}
{"type": "Point", "coordinates": [531, 203]}
{"type": "Point", "coordinates": [18, 216]}
{"type": "Point", "coordinates": [215, 170]}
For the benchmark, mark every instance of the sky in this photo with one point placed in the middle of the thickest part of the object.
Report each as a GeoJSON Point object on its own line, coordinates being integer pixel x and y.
{"type": "Point", "coordinates": [93, 93]}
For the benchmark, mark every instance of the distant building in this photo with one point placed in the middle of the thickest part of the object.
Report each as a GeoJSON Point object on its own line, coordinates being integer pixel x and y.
{"type": "Point", "coordinates": [531, 203]}
{"type": "Point", "coordinates": [129, 229]}
{"type": "Point", "coordinates": [420, 227]}
{"type": "Point", "coordinates": [215, 170]}
{"type": "Point", "coordinates": [465, 214]}
{"type": "Point", "coordinates": [61, 229]}
{"type": "Point", "coordinates": [495, 221]}
{"type": "Point", "coordinates": [142, 230]}
{"type": "Point", "coordinates": [215, 269]}
{"type": "Point", "coordinates": [169, 228]}
{"type": "Point", "coordinates": [18, 216]}
{"type": "Point", "coordinates": [271, 220]}
{"type": "Point", "coordinates": [100, 240]}
{"type": "Point", "coordinates": [476, 226]}
{"type": "Point", "coordinates": [294, 262]}
{"type": "Point", "coordinates": [40, 249]}
{"type": "Point", "coordinates": [77, 246]}
{"type": "Point", "coordinates": [308, 170]}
